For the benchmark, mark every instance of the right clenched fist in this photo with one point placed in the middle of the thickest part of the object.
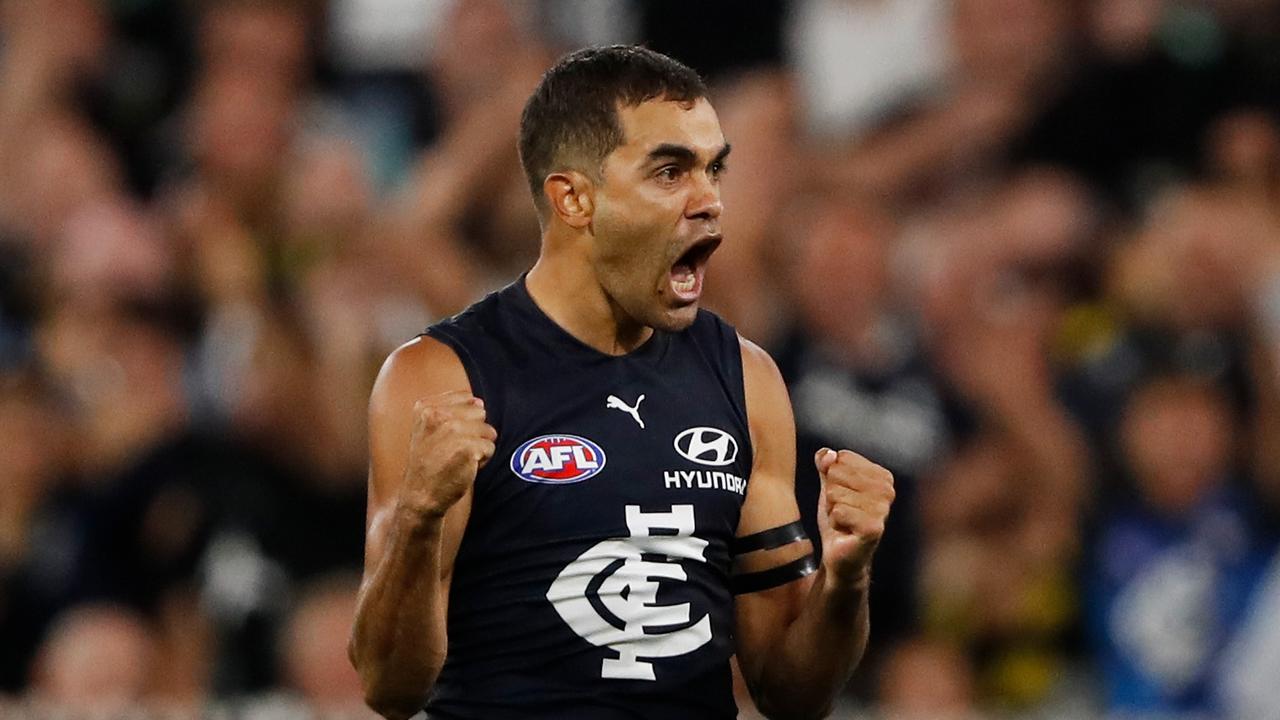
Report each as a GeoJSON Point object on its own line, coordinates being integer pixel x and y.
{"type": "Point", "coordinates": [449, 444]}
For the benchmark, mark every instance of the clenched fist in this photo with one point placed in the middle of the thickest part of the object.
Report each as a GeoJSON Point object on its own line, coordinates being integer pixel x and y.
{"type": "Point", "coordinates": [449, 444]}
{"type": "Point", "coordinates": [852, 509]}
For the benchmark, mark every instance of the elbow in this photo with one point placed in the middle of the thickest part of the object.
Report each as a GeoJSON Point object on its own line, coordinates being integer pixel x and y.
{"type": "Point", "coordinates": [775, 707]}
{"type": "Point", "coordinates": [394, 707]}
{"type": "Point", "coordinates": [398, 701]}
{"type": "Point", "coordinates": [394, 693]}
{"type": "Point", "coordinates": [796, 715]}
{"type": "Point", "coordinates": [793, 713]}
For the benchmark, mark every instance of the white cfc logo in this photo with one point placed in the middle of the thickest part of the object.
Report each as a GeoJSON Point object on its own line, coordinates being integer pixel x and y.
{"type": "Point", "coordinates": [608, 595]}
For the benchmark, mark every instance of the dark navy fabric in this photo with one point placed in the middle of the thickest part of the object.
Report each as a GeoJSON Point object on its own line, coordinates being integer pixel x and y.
{"type": "Point", "coordinates": [593, 580]}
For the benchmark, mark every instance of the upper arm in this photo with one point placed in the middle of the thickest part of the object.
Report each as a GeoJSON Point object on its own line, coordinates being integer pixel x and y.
{"type": "Point", "coordinates": [771, 502]}
{"type": "Point", "coordinates": [418, 369]}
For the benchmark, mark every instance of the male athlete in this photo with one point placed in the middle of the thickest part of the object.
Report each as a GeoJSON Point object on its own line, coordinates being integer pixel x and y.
{"type": "Point", "coordinates": [581, 494]}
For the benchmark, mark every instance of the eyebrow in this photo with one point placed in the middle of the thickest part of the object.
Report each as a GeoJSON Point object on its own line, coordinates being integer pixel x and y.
{"type": "Point", "coordinates": [681, 153]}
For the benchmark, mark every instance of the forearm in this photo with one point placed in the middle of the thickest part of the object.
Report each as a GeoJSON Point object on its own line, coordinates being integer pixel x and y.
{"type": "Point", "coordinates": [818, 652]}
{"type": "Point", "coordinates": [398, 641]}
{"type": "Point", "coordinates": [471, 157]}
{"type": "Point", "coordinates": [26, 94]}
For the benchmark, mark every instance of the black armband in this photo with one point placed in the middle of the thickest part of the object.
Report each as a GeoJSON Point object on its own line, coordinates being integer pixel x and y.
{"type": "Point", "coordinates": [769, 539]}
{"type": "Point", "coordinates": [773, 577]}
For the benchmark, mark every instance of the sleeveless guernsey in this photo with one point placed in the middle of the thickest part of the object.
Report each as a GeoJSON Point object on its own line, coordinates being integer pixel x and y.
{"type": "Point", "coordinates": [592, 580]}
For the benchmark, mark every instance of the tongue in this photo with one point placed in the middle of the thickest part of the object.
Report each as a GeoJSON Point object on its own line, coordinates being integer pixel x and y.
{"type": "Point", "coordinates": [681, 272]}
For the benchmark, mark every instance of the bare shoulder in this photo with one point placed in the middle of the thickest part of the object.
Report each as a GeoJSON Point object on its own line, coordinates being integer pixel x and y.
{"type": "Point", "coordinates": [420, 368]}
{"type": "Point", "coordinates": [416, 371]}
{"type": "Point", "coordinates": [756, 360]}
{"type": "Point", "coordinates": [767, 401]}
{"type": "Point", "coordinates": [770, 492]}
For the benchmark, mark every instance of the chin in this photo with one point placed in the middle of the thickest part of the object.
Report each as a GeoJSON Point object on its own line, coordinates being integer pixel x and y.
{"type": "Point", "coordinates": [676, 319]}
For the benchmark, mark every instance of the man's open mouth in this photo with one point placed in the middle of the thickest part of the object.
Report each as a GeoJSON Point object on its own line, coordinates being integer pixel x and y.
{"type": "Point", "coordinates": [690, 268]}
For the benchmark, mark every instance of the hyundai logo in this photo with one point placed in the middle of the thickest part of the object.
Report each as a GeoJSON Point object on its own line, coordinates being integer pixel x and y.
{"type": "Point", "coordinates": [707, 446]}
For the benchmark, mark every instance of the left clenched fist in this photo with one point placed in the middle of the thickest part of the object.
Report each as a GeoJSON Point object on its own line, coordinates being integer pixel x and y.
{"type": "Point", "coordinates": [852, 509]}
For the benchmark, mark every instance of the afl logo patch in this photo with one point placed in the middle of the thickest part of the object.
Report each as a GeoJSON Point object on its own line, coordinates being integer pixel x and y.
{"type": "Point", "coordinates": [707, 446]}
{"type": "Point", "coordinates": [557, 459]}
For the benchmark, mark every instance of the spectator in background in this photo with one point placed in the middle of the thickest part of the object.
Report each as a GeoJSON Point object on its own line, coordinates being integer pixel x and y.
{"type": "Point", "coordinates": [1195, 286]}
{"type": "Point", "coordinates": [1174, 569]}
{"type": "Point", "coordinates": [96, 663]}
{"type": "Point", "coordinates": [1244, 153]}
{"type": "Point", "coordinates": [1203, 267]}
{"type": "Point", "coordinates": [858, 379]}
{"type": "Point", "coordinates": [51, 158]}
{"type": "Point", "coordinates": [1245, 686]}
{"type": "Point", "coordinates": [113, 339]}
{"type": "Point", "coordinates": [1001, 513]}
{"type": "Point", "coordinates": [899, 47]}
{"type": "Point", "coordinates": [926, 680]}
{"type": "Point", "coordinates": [996, 574]}
{"type": "Point", "coordinates": [38, 530]}
{"type": "Point", "coordinates": [1000, 57]}
{"type": "Point", "coordinates": [314, 652]}
{"type": "Point", "coordinates": [464, 205]}
{"type": "Point", "coordinates": [243, 116]}
{"type": "Point", "coordinates": [1151, 77]}
{"type": "Point", "coordinates": [272, 39]}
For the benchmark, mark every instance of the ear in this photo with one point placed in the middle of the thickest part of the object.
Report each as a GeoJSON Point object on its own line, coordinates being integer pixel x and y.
{"type": "Point", "coordinates": [569, 195]}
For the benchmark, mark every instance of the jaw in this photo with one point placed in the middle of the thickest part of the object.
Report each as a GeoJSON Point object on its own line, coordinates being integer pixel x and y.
{"type": "Point", "coordinates": [678, 318]}
{"type": "Point", "coordinates": [636, 309]}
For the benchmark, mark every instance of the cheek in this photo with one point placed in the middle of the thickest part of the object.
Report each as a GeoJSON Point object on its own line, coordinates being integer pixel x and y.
{"type": "Point", "coordinates": [625, 274]}
{"type": "Point", "coordinates": [628, 243]}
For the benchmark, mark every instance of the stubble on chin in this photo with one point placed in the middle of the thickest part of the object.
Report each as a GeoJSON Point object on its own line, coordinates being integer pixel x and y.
{"type": "Point", "coordinates": [677, 319]}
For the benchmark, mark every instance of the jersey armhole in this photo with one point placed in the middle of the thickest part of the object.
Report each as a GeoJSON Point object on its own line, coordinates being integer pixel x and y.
{"type": "Point", "coordinates": [478, 387]}
{"type": "Point", "coordinates": [738, 386]}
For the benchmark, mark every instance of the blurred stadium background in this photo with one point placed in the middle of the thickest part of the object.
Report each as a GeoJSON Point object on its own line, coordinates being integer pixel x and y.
{"type": "Point", "coordinates": [1025, 253]}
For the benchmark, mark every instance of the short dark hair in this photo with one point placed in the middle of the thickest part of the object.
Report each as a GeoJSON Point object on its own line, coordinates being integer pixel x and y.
{"type": "Point", "coordinates": [573, 113]}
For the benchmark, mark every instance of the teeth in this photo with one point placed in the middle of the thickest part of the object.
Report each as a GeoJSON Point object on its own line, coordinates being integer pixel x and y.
{"type": "Point", "coordinates": [684, 285]}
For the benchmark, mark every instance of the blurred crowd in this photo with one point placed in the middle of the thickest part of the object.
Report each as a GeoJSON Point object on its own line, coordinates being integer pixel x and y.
{"type": "Point", "coordinates": [1024, 253]}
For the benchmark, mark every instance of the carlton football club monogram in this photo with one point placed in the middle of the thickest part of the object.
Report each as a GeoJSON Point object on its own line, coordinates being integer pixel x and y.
{"type": "Point", "coordinates": [608, 595]}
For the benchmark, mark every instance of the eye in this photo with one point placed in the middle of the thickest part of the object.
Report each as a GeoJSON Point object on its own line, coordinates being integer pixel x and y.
{"type": "Point", "coordinates": [717, 169]}
{"type": "Point", "coordinates": [668, 174]}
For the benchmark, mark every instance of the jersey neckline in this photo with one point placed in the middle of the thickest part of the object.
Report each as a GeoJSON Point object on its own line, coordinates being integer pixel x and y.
{"type": "Point", "coordinates": [565, 341]}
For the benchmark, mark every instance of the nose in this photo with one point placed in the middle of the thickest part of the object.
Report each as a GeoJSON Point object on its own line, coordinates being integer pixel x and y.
{"type": "Point", "coordinates": [704, 199]}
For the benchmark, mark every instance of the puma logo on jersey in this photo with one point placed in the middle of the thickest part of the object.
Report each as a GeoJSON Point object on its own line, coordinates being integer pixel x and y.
{"type": "Point", "coordinates": [557, 459]}
{"type": "Point", "coordinates": [615, 403]}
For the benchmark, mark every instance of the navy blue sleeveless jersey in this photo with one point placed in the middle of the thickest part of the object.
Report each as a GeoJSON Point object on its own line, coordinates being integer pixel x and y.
{"type": "Point", "coordinates": [592, 580]}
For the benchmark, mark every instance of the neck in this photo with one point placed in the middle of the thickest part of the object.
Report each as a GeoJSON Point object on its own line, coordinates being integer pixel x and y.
{"type": "Point", "coordinates": [566, 289]}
